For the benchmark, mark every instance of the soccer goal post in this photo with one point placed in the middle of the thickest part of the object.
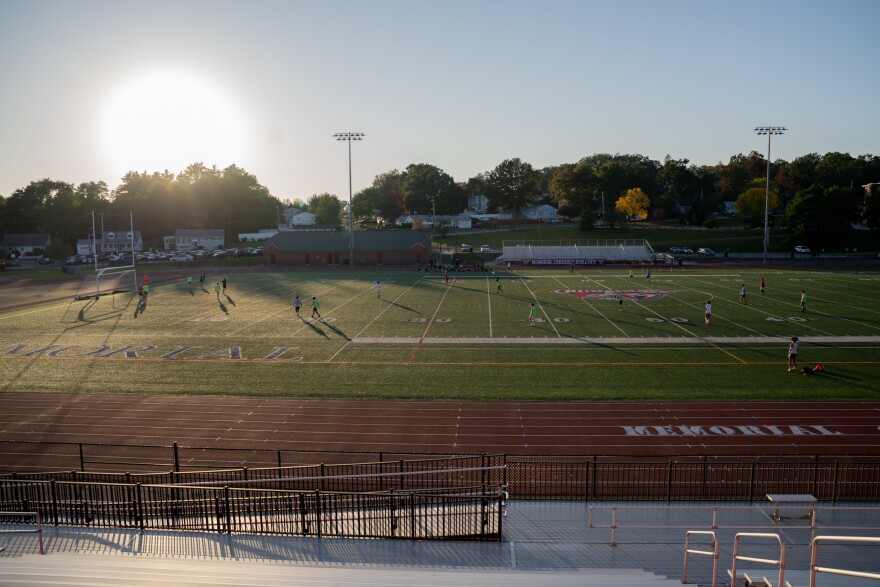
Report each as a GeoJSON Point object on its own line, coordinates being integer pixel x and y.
{"type": "Point", "coordinates": [108, 280]}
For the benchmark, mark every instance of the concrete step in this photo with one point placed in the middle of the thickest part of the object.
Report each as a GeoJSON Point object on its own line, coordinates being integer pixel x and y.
{"type": "Point", "coordinates": [86, 570]}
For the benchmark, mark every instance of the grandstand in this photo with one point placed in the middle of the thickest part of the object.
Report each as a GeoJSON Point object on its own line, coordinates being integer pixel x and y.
{"type": "Point", "coordinates": [577, 252]}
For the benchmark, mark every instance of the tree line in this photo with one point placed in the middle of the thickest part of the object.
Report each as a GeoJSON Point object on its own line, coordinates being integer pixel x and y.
{"type": "Point", "coordinates": [818, 197]}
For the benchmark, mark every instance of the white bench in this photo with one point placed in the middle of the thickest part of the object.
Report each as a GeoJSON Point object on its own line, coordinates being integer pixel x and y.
{"type": "Point", "coordinates": [778, 499]}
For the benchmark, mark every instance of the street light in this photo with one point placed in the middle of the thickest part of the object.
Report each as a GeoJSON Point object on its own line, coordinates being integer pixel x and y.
{"type": "Point", "coordinates": [769, 131]}
{"type": "Point", "coordinates": [349, 136]}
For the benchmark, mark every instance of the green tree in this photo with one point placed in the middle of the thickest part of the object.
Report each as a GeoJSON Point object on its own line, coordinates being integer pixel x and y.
{"type": "Point", "coordinates": [751, 203]}
{"type": "Point", "coordinates": [634, 204]}
{"type": "Point", "coordinates": [823, 217]}
{"type": "Point", "coordinates": [327, 209]}
{"type": "Point", "coordinates": [425, 186]}
{"type": "Point", "coordinates": [392, 202]}
{"type": "Point", "coordinates": [587, 220]}
{"type": "Point", "coordinates": [512, 185]}
{"type": "Point", "coordinates": [365, 203]}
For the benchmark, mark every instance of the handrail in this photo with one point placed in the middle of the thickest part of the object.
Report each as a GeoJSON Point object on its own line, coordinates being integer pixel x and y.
{"type": "Point", "coordinates": [716, 523]}
{"type": "Point", "coordinates": [38, 531]}
{"type": "Point", "coordinates": [713, 554]}
{"type": "Point", "coordinates": [780, 562]}
{"type": "Point", "coordinates": [814, 555]}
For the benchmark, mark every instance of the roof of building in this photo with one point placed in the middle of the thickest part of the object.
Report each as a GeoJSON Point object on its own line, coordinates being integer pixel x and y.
{"type": "Point", "coordinates": [31, 239]}
{"type": "Point", "coordinates": [364, 240]}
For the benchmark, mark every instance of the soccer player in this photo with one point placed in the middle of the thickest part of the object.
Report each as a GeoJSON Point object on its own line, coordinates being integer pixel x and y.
{"type": "Point", "coordinates": [315, 307]}
{"type": "Point", "coordinates": [792, 353]}
{"type": "Point", "coordinates": [630, 273]}
{"type": "Point", "coordinates": [378, 289]}
{"type": "Point", "coordinates": [708, 312]}
{"type": "Point", "coordinates": [297, 304]}
{"type": "Point", "coordinates": [146, 290]}
{"type": "Point", "coordinates": [189, 281]}
{"type": "Point", "coordinates": [224, 286]}
{"type": "Point", "coordinates": [446, 276]}
{"type": "Point", "coordinates": [619, 299]}
{"type": "Point", "coordinates": [202, 281]}
{"type": "Point", "coordinates": [533, 313]}
{"type": "Point", "coordinates": [803, 300]}
{"type": "Point", "coordinates": [742, 295]}
{"type": "Point", "coordinates": [762, 286]}
{"type": "Point", "coordinates": [648, 274]}
{"type": "Point", "coordinates": [217, 289]}
{"type": "Point", "coordinates": [498, 285]}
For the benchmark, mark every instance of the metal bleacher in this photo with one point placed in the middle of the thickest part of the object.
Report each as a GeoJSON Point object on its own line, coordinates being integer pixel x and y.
{"type": "Point", "coordinates": [579, 252]}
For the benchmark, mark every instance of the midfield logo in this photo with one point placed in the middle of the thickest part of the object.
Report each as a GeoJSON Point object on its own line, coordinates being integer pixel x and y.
{"type": "Point", "coordinates": [607, 294]}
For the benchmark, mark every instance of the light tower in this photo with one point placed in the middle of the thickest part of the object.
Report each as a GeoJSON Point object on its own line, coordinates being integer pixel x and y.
{"type": "Point", "coordinates": [769, 131]}
{"type": "Point", "coordinates": [349, 136]}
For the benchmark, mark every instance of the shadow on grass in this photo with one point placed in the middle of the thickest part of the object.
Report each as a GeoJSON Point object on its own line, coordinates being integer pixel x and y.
{"type": "Point", "coordinates": [230, 300]}
{"type": "Point", "coordinates": [314, 327]}
{"type": "Point", "coordinates": [402, 307]}
{"type": "Point", "coordinates": [336, 330]}
{"type": "Point", "coordinates": [223, 306]}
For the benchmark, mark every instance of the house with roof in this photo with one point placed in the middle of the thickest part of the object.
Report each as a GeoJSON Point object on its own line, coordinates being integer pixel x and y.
{"type": "Point", "coordinates": [112, 242]}
{"type": "Point", "coordinates": [540, 212]}
{"type": "Point", "coordinates": [296, 217]}
{"type": "Point", "coordinates": [190, 239]}
{"type": "Point", "coordinates": [371, 247]}
{"type": "Point", "coordinates": [25, 243]}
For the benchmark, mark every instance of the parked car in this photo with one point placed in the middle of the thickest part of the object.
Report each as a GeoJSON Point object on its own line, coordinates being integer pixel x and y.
{"type": "Point", "coordinates": [485, 249]}
{"type": "Point", "coordinates": [180, 258]}
{"type": "Point", "coordinates": [705, 252]}
{"type": "Point", "coordinates": [802, 249]}
{"type": "Point", "coordinates": [681, 250]}
{"type": "Point", "coordinates": [467, 249]}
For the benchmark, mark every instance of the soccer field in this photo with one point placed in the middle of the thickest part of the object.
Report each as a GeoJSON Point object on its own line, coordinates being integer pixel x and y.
{"type": "Point", "coordinates": [426, 339]}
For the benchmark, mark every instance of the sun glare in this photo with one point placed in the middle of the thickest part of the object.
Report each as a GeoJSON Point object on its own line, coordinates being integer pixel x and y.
{"type": "Point", "coordinates": [165, 121]}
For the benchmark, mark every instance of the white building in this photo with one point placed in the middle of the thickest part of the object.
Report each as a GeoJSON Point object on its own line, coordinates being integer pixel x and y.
{"type": "Point", "coordinates": [296, 216]}
{"type": "Point", "coordinates": [541, 212]}
{"type": "Point", "coordinates": [478, 203]}
{"type": "Point", "coordinates": [188, 239]}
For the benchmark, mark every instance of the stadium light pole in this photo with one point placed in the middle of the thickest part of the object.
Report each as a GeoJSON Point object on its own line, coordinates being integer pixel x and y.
{"type": "Point", "coordinates": [769, 131]}
{"type": "Point", "coordinates": [349, 136]}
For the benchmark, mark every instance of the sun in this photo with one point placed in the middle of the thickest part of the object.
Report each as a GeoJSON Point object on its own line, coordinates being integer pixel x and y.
{"type": "Point", "coordinates": [167, 120]}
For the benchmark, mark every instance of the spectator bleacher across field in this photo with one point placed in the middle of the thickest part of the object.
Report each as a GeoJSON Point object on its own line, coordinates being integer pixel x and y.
{"type": "Point", "coordinates": [577, 252]}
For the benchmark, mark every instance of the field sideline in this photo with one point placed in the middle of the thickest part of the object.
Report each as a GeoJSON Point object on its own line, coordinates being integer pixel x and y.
{"type": "Point", "coordinates": [426, 339]}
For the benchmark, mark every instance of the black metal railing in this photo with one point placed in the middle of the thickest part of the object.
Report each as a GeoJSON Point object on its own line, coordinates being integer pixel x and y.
{"type": "Point", "coordinates": [456, 513]}
{"type": "Point", "coordinates": [595, 478]}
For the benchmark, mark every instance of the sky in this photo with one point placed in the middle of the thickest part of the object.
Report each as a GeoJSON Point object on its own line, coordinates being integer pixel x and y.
{"type": "Point", "coordinates": [93, 89]}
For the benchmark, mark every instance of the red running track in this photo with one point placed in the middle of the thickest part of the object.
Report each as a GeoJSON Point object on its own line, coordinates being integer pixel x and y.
{"type": "Point", "coordinates": [447, 427]}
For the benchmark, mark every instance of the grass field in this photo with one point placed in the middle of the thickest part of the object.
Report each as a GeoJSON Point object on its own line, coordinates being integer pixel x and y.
{"type": "Point", "coordinates": [424, 339]}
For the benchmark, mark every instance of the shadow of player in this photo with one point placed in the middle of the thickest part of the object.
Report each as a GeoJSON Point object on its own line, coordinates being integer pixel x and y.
{"type": "Point", "coordinates": [223, 307]}
{"type": "Point", "coordinates": [335, 330]}
{"type": "Point", "coordinates": [314, 327]}
{"type": "Point", "coordinates": [230, 300]}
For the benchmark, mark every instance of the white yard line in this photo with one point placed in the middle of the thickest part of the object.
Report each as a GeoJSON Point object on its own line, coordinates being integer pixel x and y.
{"type": "Point", "coordinates": [540, 305]}
{"type": "Point", "coordinates": [610, 321]}
{"type": "Point", "coordinates": [430, 322]}
{"type": "Point", "coordinates": [376, 317]}
{"type": "Point", "coordinates": [489, 298]}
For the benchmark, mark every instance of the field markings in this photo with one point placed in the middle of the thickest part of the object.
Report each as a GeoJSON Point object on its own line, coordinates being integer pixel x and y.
{"type": "Point", "coordinates": [430, 322]}
{"type": "Point", "coordinates": [489, 299]}
{"type": "Point", "coordinates": [679, 326]}
{"type": "Point", "coordinates": [584, 300]}
{"type": "Point", "coordinates": [540, 305]}
{"type": "Point", "coordinates": [803, 325]}
{"type": "Point", "coordinates": [376, 317]}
